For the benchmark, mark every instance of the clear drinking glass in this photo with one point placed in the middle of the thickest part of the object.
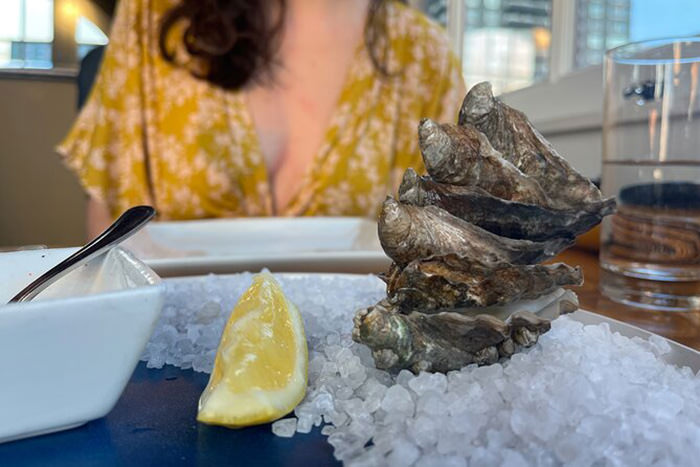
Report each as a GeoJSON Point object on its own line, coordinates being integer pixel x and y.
{"type": "Point", "coordinates": [650, 249]}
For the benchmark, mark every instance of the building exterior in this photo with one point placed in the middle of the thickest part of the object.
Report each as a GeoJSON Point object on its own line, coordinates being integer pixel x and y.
{"type": "Point", "coordinates": [600, 25]}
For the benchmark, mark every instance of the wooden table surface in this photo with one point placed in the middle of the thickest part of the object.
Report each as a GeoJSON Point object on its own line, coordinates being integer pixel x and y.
{"type": "Point", "coordinates": [683, 327]}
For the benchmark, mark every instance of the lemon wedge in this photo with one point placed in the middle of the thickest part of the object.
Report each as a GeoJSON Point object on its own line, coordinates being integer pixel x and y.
{"type": "Point", "coordinates": [260, 369]}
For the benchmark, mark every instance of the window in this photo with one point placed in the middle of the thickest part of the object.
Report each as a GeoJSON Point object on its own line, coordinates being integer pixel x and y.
{"type": "Point", "coordinates": [604, 24]}
{"type": "Point", "coordinates": [503, 41]}
{"type": "Point", "coordinates": [26, 33]}
{"type": "Point", "coordinates": [512, 42]}
{"type": "Point", "coordinates": [43, 34]}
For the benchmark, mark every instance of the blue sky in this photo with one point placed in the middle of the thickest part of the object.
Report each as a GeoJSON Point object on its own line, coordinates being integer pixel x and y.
{"type": "Point", "coordinates": [651, 19]}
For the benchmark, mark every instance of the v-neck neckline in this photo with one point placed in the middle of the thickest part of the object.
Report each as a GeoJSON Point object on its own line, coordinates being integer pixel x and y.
{"type": "Point", "coordinates": [292, 207]}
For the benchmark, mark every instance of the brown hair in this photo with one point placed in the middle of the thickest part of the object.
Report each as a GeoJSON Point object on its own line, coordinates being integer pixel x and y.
{"type": "Point", "coordinates": [233, 42]}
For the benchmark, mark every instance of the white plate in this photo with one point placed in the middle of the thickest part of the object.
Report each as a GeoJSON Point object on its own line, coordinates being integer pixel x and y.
{"type": "Point", "coordinates": [306, 244]}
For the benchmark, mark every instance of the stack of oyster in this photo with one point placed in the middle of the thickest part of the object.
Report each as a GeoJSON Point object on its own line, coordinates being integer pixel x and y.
{"type": "Point", "coordinates": [466, 241]}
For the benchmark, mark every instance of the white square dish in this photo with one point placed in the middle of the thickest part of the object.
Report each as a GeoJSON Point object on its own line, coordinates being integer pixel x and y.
{"type": "Point", "coordinates": [68, 354]}
{"type": "Point", "coordinates": [281, 244]}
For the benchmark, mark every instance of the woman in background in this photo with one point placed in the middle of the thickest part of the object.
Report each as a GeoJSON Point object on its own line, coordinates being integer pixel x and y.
{"type": "Point", "coordinates": [223, 108]}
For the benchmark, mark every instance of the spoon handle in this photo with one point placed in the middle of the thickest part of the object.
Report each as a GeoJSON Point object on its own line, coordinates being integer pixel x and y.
{"type": "Point", "coordinates": [128, 224]}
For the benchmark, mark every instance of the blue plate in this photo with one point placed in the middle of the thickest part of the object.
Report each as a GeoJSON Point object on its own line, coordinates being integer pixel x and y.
{"type": "Point", "coordinates": [154, 424]}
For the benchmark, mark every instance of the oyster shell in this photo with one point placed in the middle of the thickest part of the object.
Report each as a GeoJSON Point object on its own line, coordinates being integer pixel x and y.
{"type": "Point", "coordinates": [448, 282]}
{"type": "Point", "coordinates": [500, 216]}
{"type": "Point", "coordinates": [461, 155]}
{"type": "Point", "coordinates": [443, 341]}
{"type": "Point", "coordinates": [408, 232]}
{"type": "Point", "coordinates": [511, 133]}
{"type": "Point", "coordinates": [465, 286]}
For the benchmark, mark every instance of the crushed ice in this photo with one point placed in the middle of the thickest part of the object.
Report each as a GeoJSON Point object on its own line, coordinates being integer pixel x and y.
{"type": "Point", "coordinates": [582, 396]}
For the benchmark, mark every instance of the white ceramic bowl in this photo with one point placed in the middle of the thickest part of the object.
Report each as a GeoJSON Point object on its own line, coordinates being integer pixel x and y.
{"type": "Point", "coordinates": [68, 354]}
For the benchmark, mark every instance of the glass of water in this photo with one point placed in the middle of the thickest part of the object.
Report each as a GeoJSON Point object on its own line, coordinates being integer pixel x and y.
{"type": "Point", "coordinates": [650, 249]}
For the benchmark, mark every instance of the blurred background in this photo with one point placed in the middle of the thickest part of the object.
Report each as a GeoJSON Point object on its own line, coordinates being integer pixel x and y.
{"type": "Point", "coordinates": [543, 56]}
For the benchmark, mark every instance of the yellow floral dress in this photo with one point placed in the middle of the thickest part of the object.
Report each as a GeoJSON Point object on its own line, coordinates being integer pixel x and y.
{"type": "Point", "coordinates": [150, 133]}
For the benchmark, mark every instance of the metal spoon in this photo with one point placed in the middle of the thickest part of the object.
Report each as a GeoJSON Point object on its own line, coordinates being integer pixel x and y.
{"type": "Point", "coordinates": [128, 224]}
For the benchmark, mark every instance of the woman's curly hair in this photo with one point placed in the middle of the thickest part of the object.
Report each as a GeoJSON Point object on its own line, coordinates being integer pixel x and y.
{"type": "Point", "coordinates": [233, 42]}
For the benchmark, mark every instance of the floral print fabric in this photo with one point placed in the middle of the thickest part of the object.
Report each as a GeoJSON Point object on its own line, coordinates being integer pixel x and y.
{"type": "Point", "coordinates": [151, 133]}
